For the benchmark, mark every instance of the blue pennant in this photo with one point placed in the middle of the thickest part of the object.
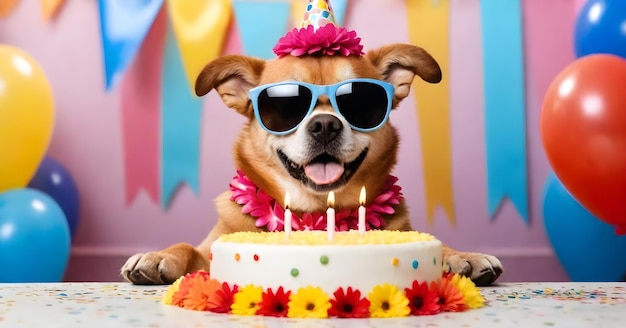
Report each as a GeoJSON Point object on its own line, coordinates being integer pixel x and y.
{"type": "Point", "coordinates": [340, 7]}
{"type": "Point", "coordinates": [180, 125]}
{"type": "Point", "coordinates": [123, 26]}
{"type": "Point", "coordinates": [505, 120]}
{"type": "Point", "coordinates": [261, 24]}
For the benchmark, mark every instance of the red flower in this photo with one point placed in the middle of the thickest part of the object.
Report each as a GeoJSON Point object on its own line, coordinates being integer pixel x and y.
{"type": "Point", "coordinates": [422, 300]}
{"type": "Point", "coordinates": [349, 304]}
{"type": "Point", "coordinates": [225, 297]}
{"type": "Point", "coordinates": [450, 298]}
{"type": "Point", "coordinates": [274, 305]}
{"type": "Point", "coordinates": [326, 40]}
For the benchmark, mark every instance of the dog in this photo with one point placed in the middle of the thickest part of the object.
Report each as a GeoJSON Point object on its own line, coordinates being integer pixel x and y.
{"type": "Point", "coordinates": [312, 152]}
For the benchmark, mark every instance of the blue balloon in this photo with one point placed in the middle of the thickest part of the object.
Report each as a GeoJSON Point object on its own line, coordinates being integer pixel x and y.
{"type": "Point", "coordinates": [588, 248]}
{"type": "Point", "coordinates": [601, 28]}
{"type": "Point", "coordinates": [53, 179]}
{"type": "Point", "coordinates": [34, 237]}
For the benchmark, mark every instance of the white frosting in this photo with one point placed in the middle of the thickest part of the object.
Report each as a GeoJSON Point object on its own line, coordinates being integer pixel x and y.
{"type": "Point", "coordinates": [358, 266]}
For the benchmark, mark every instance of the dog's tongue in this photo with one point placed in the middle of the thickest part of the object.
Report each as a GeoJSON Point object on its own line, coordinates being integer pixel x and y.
{"type": "Point", "coordinates": [324, 173]}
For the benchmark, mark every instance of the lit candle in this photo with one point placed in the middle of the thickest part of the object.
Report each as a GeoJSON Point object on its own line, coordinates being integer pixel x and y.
{"type": "Point", "coordinates": [330, 216]}
{"type": "Point", "coordinates": [287, 215]}
{"type": "Point", "coordinates": [362, 211]}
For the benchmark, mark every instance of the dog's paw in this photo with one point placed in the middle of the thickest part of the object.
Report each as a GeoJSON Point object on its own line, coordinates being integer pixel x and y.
{"type": "Point", "coordinates": [153, 268]}
{"type": "Point", "coordinates": [481, 268]}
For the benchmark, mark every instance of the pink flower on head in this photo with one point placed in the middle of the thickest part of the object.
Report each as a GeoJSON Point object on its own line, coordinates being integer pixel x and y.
{"type": "Point", "coordinates": [327, 40]}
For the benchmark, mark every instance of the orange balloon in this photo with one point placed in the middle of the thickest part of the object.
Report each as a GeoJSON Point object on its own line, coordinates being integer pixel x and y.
{"type": "Point", "coordinates": [583, 130]}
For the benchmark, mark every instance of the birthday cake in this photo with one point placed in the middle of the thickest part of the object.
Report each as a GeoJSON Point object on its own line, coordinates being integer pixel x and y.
{"type": "Point", "coordinates": [304, 274]}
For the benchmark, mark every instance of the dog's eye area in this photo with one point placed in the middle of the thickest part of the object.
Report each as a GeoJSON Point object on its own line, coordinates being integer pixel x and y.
{"type": "Point", "coordinates": [282, 107]}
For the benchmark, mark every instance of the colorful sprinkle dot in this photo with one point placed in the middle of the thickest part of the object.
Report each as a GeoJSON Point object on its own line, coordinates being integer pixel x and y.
{"type": "Point", "coordinates": [295, 272]}
{"type": "Point", "coordinates": [324, 259]}
{"type": "Point", "coordinates": [211, 256]}
{"type": "Point", "coordinates": [395, 261]}
{"type": "Point", "coordinates": [415, 264]}
{"type": "Point", "coordinates": [237, 257]}
{"type": "Point", "coordinates": [435, 260]}
{"type": "Point", "coordinates": [255, 257]}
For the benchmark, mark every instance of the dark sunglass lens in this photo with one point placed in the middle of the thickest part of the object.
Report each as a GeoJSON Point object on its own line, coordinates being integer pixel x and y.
{"type": "Point", "coordinates": [363, 104]}
{"type": "Point", "coordinates": [282, 107]}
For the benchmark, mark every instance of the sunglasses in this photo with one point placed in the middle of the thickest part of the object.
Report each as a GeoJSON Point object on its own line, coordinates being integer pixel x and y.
{"type": "Point", "coordinates": [281, 107]}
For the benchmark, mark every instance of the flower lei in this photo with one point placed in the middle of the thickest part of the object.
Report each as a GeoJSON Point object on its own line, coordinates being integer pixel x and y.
{"type": "Point", "coordinates": [198, 291]}
{"type": "Point", "coordinates": [326, 40]}
{"type": "Point", "coordinates": [270, 214]}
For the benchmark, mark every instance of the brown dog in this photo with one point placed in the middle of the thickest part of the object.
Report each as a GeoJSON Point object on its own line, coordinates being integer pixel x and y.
{"type": "Point", "coordinates": [322, 154]}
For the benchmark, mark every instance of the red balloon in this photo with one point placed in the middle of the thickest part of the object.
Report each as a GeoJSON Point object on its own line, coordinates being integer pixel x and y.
{"type": "Point", "coordinates": [583, 130]}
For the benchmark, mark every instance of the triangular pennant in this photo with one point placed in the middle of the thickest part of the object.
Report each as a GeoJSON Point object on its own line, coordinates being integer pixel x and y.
{"type": "Point", "coordinates": [200, 28]}
{"type": "Point", "coordinates": [123, 26]}
{"type": "Point", "coordinates": [7, 6]}
{"type": "Point", "coordinates": [49, 8]}
{"type": "Point", "coordinates": [340, 7]}
{"type": "Point", "coordinates": [261, 24]}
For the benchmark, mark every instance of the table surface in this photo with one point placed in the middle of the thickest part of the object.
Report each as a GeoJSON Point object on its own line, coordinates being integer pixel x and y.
{"type": "Point", "coordinates": [125, 305]}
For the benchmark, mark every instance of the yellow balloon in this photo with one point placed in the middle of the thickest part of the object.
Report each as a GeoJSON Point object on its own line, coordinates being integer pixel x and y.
{"type": "Point", "coordinates": [26, 117]}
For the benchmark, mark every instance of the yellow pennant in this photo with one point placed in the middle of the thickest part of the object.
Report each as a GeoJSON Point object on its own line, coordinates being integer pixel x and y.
{"type": "Point", "coordinates": [200, 28]}
{"type": "Point", "coordinates": [6, 7]}
{"type": "Point", "coordinates": [298, 7]}
{"type": "Point", "coordinates": [428, 28]}
{"type": "Point", "coordinates": [49, 8]}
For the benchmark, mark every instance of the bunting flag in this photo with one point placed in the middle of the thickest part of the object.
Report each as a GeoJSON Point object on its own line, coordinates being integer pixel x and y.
{"type": "Point", "coordinates": [140, 97]}
{"type": "Point", "coordinates": [505, 122]}
{"type": "Point", "coordinates": [261, 24]}
{"type": "Point", "coordinates": [49, 8]}
{"type": "Point", "coordinates": [545, 41]}
{"type": "Point", "coordinates": [123, 26]}
{"type": "Point", "coordinates": [298, 8]}
{"type": "Point", "coordinates": [200, 28]}
{"type": "Point", "coordinates": [429, 28]}
{"type": "Point", "coordinates": [181, 118]}
{"type": "Point", "coordinates": [7, 6]}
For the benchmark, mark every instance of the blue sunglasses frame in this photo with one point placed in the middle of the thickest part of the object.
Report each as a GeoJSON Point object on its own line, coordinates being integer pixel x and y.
{"type": "Point", "coordinates": [316, 92]}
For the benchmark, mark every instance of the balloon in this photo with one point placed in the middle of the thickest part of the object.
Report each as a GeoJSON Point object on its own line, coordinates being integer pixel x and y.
{"type": "Point", "coordinates": [34, 237]}
{"type": "Point", "coordinates": [586, 247]}
{"type": "Point", "coordinates": [583, 130]}
{"type": "Point", "coordinates": [26, 117]}
{"type": "Point", "coordinates": [53, 179]}
{"type": "Point", "coordinates": [601, 28]}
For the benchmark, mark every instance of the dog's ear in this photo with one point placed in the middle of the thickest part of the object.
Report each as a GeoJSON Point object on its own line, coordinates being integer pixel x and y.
{"type": "Point", "coordinates": [232, 76]}
{"type": "Point", "coordinates": [399, 63]}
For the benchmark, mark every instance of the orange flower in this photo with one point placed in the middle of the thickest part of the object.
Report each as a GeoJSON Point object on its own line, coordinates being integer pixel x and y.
{"type": "Point", "coordinates": [197, 292]}
{"type": "Point", "coordinates": [450, 298]}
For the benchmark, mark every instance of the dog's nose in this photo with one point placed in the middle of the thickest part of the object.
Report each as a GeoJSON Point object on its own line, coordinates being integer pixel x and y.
{"type": "Point", "coordinates": [325, 127]}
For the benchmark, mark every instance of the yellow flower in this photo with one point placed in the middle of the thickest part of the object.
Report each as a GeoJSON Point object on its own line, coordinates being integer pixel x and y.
{"type": "Point", "coordinates": [471, 294]}
{"type": "Point", "coordinates": [167, 298]}
{"type": "Point", "coordinates": [247, 300]}
{"type": "Point", "coordinates": [388, 301]}
{"type": "Point", "coordinates": [308, 302]}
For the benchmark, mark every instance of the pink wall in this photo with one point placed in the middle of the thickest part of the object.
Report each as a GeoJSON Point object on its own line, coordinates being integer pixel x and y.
{"type": "Point", "coordinates": [87, 140]}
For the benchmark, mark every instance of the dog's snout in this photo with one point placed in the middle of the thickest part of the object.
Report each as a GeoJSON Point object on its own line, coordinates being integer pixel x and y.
{"type": "Point", "coordinates": [325, 127]}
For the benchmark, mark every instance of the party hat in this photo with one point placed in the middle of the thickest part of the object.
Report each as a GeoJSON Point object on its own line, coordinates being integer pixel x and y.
{"type": "Point", "coordinates": [318, 13]}
{"type": "Point", "coordinates": [319, 35]}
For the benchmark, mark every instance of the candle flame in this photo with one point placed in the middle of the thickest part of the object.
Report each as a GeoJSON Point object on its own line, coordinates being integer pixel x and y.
{"type": "Point", "coordinates": [331, 199]}
{"type": "Point", "coordinates": [287, 199]}
{"type": "Point", "coordinates": [362, 196]}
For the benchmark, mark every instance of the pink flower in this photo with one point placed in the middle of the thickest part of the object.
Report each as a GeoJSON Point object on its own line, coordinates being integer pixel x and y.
{"type": "Point", "coordinates": [270, 214]}
{"type": "Point", "coordinates": [315, 221]}
{"type": "Point", "coordinates": [327, 40]}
